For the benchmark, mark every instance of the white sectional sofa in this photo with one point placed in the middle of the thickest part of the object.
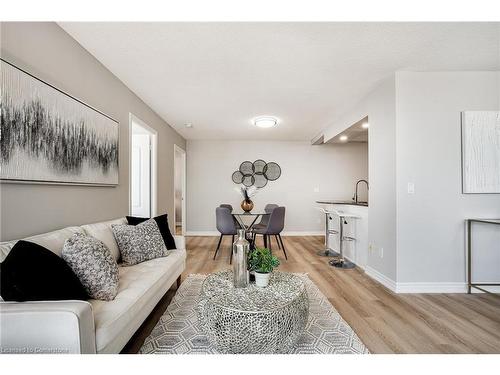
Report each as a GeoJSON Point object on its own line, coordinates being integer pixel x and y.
{"type": "Point", "coordinates": [93, 326]}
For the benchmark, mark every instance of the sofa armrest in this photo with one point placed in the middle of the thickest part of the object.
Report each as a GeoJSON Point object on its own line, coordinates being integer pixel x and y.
{"type": "Point", "coordinates": [47, 327]}
{"type": "Point", "coordinates": [180, 242]}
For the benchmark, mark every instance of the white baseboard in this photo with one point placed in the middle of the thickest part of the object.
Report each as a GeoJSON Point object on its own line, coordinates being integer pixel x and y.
{"type": "Point", "coordinates": [199, 233]}
{"type": "Point", "coordinates": [202, 233]}
{"type": "Point", "coordinates": [423, 287]}
{"type": "Point", "coordinates": [492, 289]}
{"type": "Point", "coordinates": [431, 288]}
{"type": "Point", "coordinates": [304, 233]}
{"type": "Point", "coordinates": [381, 278]}
{"type": "Point", "coordinates": [457, 287]}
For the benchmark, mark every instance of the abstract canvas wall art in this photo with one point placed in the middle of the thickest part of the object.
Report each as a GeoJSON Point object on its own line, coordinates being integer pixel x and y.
{"type": "Point", "coordinates": [49, 136]}
{"type": "Point", "coordinates": [481, 152]}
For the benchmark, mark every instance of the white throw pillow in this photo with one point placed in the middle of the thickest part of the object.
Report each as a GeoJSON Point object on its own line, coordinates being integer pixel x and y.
{"type": "Point", "coordinates": [94, 265]}
{"type": "Point", "coordinates": [138, 243]}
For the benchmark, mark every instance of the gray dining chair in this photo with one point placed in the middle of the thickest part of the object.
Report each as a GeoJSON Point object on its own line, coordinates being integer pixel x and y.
{"type": "Point", "coordinates": [228, 206]}
{"type": "Point", "coordinates": [265, 219]}
{"type": "Point", "coordinates": [225, 225]}
{"type": "Point", "coordinates": [274, 228]}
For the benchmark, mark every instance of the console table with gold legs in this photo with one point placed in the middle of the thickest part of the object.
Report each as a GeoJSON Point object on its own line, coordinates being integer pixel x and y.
{"type": "Point", "coordinates": [471, 284]}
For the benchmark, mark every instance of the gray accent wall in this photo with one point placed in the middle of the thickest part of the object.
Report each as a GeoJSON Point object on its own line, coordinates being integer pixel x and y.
{"type": "Point", "coordinates": [49, 53]}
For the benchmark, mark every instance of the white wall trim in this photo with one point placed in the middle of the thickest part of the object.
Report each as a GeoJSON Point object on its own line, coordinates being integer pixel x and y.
{"type": "Point", "coordinates": [303, 233]}
{"type": "Point", "coordinates": [457, 287]}
{"type": "Point", "coordinates": [381, 278]}
{"type": "Point", "coordinates": [182, 222]}
{"type": "Point", "coordinates": [425, 287]}
{"type": "Point", "coordinates": [422, 287]}
{"type": "Point", "coordinates": [290, 233]}
{"type": "Point", "coordinates": [154, 163]}
{"type": "Point", "coordinates": [201, 233]}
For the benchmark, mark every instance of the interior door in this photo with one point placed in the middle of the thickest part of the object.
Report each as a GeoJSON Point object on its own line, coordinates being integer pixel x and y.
{"type": "Point", "coordinates": [141, 175]}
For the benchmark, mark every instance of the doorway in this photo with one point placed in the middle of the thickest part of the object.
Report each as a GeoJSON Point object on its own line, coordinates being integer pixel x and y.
{"type": "Point", "coordinates": [179, 190]}
{"type": "Point", "coordinates": [142, 169]}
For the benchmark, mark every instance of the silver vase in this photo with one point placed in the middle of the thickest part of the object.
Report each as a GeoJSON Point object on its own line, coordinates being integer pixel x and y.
{"type": "Point", "coordinates": [241, 247]}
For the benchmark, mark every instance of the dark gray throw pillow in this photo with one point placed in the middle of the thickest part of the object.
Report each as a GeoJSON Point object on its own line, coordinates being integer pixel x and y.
{"type": "Point", "coordinates": [94, 265]}
{"type": "Point", "coordinates": [31, 272]}
{"type": "Point", "coordinates": [140, 242]}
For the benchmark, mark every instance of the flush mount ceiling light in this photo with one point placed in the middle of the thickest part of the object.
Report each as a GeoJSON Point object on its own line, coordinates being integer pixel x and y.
{"type": "Point", "coordinates": [188, 125]}
{"type": "Point", "coordinates": [343, 138]}
{"type": "Point", "coordinates": [365, 125]}
{"type": "Point", "coordinates": [265, 122]}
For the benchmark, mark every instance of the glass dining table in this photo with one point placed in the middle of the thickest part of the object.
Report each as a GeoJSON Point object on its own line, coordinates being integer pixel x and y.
{"type": "Point", "coordinates": [254, 215]}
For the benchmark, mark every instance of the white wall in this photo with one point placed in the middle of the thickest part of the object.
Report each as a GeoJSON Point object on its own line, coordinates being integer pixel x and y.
{"type": "Point", "coordinates": [431, 246]}
{"type": "Point", "coordinates": [415, 137]}
{"type": "Point", "coordinates": [379, 106]}
{"type": "Point", "coordinates": [334, 169]}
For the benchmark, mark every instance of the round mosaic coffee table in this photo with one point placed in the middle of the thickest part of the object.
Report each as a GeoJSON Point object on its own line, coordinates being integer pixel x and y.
{"type": "Point", "coordinates": [252, 319]}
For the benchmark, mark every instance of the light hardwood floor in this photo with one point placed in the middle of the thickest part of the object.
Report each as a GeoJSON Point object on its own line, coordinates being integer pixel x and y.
{"type": "Point", "coordinates": [386, 322]}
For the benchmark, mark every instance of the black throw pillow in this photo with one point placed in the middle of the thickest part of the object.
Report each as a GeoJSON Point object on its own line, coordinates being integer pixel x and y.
{"type": "Point", "coordinates": [31, 272]}
{"type": "Point", "coordinates": [162, 222]}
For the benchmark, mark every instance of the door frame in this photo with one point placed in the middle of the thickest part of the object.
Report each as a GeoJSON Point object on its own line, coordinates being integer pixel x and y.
{"type": "Point", "coordinates": [183, 187]}
{"type": "Point", "coordinates": [154, 163]}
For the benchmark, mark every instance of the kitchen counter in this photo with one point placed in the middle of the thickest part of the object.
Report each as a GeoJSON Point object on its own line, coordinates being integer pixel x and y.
{"type": "Point", "coordinates": [349, 203]}
{"type": "Point", "coordinates": [355, 251]}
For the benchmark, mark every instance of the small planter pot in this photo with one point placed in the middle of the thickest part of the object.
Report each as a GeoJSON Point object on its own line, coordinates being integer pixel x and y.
{"type": "Point", "coordinates": [262, 279]}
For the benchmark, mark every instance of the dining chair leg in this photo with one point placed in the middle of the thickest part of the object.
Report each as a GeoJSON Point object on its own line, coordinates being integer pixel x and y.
{"type": "Point", "coordinates": [282, 246]}
{"type": "Point", "coordinates": [264, 237]}
{"type": "Point", "coordinates": [277, 241]}
{"type": "Point", "coordinates": [270, 245]}
{"type": "Point", "coordinates": [231, 250]}
{"type": "Point", "coordinates": [218, 245]}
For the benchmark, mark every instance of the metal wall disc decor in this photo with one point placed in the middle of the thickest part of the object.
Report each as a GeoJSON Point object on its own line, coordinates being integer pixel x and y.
{"type": "Point", "coordinates": [260, 180]}
{"type": "Point", "coordinates": [257, 174]}
{"type": "Point", "coordinates": [272, 171]}
{"type": "Point", "coordinates": [246, 168]}
{"type": "Point", "coordinates": [258, 166]}
{"type": "Point", "coordinates": [248, 180]}
{"type": "Point", "coordinates": [237, 177]}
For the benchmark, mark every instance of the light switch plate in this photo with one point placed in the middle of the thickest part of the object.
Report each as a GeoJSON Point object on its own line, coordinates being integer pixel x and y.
{"type": "Point", "coordinates": [411, 188]}
{"type": "Point", "coordinates": [316, 189]}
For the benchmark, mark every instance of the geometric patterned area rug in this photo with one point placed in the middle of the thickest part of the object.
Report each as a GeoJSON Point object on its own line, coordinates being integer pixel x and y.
{"type": "Point", "coordinates": [178, 332]}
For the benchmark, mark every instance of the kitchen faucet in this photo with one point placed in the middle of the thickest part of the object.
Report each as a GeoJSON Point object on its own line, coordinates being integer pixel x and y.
{"type": "Point", "coordinates": [355, 198]}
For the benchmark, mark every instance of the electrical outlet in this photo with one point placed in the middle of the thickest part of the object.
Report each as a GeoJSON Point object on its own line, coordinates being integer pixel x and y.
{"type": "Point", "coordinates": [381, 252]}
{"type": "Point", "coordinates": [370, 248]}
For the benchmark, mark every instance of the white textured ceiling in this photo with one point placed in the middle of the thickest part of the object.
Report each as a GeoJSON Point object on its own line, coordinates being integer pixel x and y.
{"type": "Point", "coordinates": [218, 76]}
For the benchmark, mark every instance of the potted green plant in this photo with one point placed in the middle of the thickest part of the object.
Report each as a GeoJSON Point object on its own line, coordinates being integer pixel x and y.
{"type": "Point", "coordinates": [262, 262]}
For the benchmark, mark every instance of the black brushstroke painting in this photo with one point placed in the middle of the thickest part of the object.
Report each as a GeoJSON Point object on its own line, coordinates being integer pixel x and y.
{"type": "Point", "coordinates": [46, 128]}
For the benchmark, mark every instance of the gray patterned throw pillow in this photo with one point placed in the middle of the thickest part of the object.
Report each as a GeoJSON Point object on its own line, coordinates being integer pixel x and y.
{"type": "Point", "coordinates": [94, 265]}
{"type": "Point", "coordinates": [140, 242]}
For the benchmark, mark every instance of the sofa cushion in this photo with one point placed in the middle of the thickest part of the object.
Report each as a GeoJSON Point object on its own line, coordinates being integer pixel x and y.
{"type": "Point", "coordinates": [140, 288]}
{"type": "Point", "coordinates": [94, 265]}
{"type": "Point", "coordinates": [102, 231]}
{"type": "Point", "coordinates": [139, 243]}
{"type": "Point", "coordinates": [162, 222]}
{"type": "Point", "coordinates": [30, 272]}
{"type": "Point", "coordinates": [54, 241]}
